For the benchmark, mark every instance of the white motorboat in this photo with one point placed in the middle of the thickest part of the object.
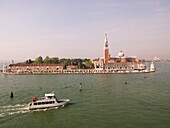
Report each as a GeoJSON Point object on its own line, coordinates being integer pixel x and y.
{"type": "Point", "coordinates": [49, 101]}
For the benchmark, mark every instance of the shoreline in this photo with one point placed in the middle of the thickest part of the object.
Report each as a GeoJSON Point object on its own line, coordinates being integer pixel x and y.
{"type": "Point", "coordinates": [76, 72]}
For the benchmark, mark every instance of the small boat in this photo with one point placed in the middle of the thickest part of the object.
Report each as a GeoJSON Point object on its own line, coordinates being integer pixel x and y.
{"type": "Point", "coordinates": [49, 101]}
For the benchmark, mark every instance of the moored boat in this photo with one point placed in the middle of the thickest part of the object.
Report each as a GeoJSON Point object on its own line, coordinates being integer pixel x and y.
{"type": "Point", "coordinates": [49, 101]}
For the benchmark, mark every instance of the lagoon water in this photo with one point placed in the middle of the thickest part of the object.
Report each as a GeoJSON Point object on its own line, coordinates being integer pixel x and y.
{"type": "Point", "coordinates": [105, 102]}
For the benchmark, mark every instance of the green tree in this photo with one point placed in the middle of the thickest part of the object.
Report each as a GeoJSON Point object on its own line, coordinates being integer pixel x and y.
{"type": "Point", "coordinates": [55, 60]}
{"type": "Point", "coordinates": [38, 60]}
{"type": "Point", "coordinates": [89, 64]}
{"type": "Point", "coordinates": [47, 60]}
{"type": "Point", "coordinates": [84, 60]}
{"type": "Point", "coordinates": [65, 62]}
{"type": "Point", "coordinates": [29, 61]}
{"type": "Point", "coordinates": [77, 61]}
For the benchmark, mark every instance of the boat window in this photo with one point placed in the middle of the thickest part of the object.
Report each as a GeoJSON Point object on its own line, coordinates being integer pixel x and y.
{"type": "Point", "coordinates": [53, 102]}
{"type": "Point", "coordinates": [30, 104]}
{"type": "Point", "coordinates": [35, 103]}
{"type": "Point", "coordinates": [43, 102]}
{"type": "Point", "coordinates": [50, 102]}
{"type": "Point", "coordinates": [49, 97]}
{"type": "Point", "coordinates": [39, 103]}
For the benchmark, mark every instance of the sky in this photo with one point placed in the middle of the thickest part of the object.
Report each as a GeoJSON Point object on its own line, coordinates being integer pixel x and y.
{"type": "Point", "coordinates": [76, 28]}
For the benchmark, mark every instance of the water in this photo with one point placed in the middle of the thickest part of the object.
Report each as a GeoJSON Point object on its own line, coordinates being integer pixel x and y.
{"type": "Point", "coordinates": [105, 101]}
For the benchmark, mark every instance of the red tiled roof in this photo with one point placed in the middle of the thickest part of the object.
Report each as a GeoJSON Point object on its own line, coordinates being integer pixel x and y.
{"type": "Point", "coordinates": [22, 64]}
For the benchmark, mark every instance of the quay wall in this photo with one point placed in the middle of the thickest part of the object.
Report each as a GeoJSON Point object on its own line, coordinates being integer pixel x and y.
{"type": "Point", "coordinates": [90, 71]}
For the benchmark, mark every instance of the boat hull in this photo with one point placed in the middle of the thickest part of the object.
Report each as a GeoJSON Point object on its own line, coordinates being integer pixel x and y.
{"type": "Point", "coordinates": [59, 103]}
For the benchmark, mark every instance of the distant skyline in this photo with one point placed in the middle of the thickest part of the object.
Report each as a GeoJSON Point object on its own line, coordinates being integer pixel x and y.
{"type": "Point", "coordinates": [76, 28]}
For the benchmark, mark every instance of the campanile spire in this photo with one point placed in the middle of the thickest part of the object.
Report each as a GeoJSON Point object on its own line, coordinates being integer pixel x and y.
{"type": "Point", "coordinates": [106, 50]}
{"type": "Point", "coordinates": [106, 42]}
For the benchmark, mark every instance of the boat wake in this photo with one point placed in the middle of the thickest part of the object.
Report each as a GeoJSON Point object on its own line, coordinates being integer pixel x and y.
{"type": "Point", "coordinates": [10, 110]}
{"type": "Point", "coordinates": [13, 110]}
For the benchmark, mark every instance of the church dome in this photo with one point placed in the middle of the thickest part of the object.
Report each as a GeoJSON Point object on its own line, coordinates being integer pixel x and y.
{"type": "Point", "coordinates": [121, 54]}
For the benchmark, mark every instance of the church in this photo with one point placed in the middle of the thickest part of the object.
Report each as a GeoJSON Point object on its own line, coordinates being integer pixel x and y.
{"type": "Point", "coordinates": [106, 64]}
{"type": "Point", "coordinates": [119, 63]}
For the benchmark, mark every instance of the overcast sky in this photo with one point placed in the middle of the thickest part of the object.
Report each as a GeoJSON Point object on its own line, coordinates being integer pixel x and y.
{"type": "Point", "coordinates": [76, 28]}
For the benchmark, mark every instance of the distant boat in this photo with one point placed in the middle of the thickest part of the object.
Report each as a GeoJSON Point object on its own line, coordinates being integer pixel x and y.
{"type": "Point", "coordinates": [49, 101]}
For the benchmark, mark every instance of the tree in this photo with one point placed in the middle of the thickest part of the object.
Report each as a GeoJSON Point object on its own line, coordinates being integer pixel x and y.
{"type": "Point", "coordinates": [38, 60]}
{"type": "Point", "coordinates": [47, 60]}
{"type": "Point", "coordinates": [65, 62]}
{"type": "Point", "coordinates": [84, 60]}
{"type": "Point", "coordinates": [89, 64]}
{"type": "Point", "coordinates": [76, 61]}
{"type": "Point", "coordinates": [55, 60]}
{"type": "Point", "coordinates": [29, 61]}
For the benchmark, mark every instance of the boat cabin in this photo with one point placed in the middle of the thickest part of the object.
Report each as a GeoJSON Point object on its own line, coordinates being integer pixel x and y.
{"type": "Point", "coordinates": [50, 96]}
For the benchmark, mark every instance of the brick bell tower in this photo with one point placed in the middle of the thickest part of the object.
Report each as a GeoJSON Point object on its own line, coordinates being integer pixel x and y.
{"type": "Point", "coordinates": [106, 50]}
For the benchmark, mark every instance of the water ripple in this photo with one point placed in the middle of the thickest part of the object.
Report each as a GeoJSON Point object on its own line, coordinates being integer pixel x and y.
{"type": "Point", "coordinates": [13, 110]}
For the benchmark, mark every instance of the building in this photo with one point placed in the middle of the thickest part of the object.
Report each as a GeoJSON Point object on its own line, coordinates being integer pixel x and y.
{"type": "Point", "coordinates": [72, 67]}
{"type": "Point", "coordinates": [34, 68]}
{"type": "Point", "coordinates": [121, 62]}
{"type": "Point", "coordinates": [106, 64]}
